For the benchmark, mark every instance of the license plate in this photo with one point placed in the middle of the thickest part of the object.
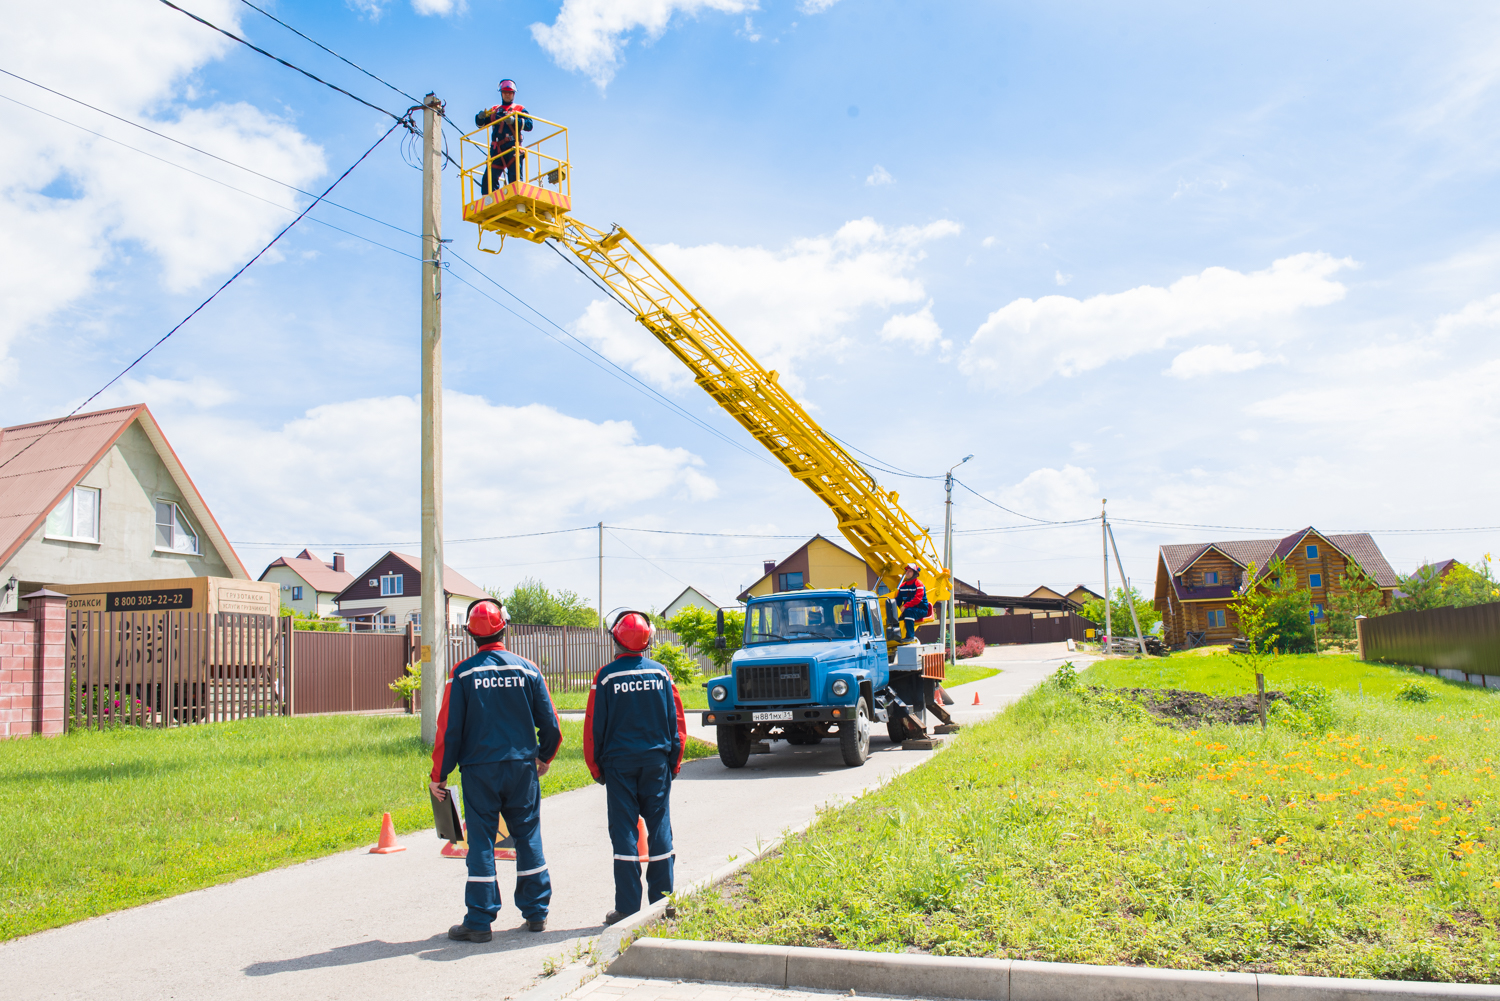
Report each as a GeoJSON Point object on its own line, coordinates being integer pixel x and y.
{"type": "Point", "coordinates": [770, 717]}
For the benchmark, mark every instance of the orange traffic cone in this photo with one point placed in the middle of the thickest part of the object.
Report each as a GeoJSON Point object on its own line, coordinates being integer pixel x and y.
{"type": "Point", "coordinates": [387, 838]}
{"type": "Point", "coordinates": [640, 841]}
{"type": "Point", "coordinates": [976, 698]}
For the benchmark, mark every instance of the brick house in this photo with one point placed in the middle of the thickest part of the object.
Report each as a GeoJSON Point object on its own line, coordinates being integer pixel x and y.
{"type": "Point", "coordinates": [1196, 582]}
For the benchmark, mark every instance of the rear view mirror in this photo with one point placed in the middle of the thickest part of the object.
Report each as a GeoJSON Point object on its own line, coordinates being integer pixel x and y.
{"type": "Point", "coordinates": [892, 618]}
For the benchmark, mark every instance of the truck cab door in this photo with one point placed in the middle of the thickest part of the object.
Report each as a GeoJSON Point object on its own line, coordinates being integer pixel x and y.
{"type": "Point", "coordinates": [872, 639]}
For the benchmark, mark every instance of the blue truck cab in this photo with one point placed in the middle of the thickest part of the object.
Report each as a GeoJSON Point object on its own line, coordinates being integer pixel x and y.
{"type": "Point", "coordinates": [814, 664]}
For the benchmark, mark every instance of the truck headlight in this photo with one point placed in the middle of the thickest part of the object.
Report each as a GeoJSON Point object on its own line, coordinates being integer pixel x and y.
{"type": "Point", "coordinates": [840, 687]}
{"type": "Point", "coordinates": [718, 693]}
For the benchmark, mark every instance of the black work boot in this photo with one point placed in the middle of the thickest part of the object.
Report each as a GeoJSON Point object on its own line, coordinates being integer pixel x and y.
{"type": "Point", "coordinates": [538, 925]}
{"type": "Point", "coordinates": [463, 933]}
{"type": "Point", "coordinates": [614, 916]}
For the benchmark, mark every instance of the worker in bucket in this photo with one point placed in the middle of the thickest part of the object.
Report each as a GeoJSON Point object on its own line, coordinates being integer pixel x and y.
{"type": "Point", "coordinates": [498, 727]}
{"type": "Point", "coordinates": [633, 738]}
{"type": "Point", "coordinates": [504, 160]}
{"type": "Point", "coordinates": [911, 599]}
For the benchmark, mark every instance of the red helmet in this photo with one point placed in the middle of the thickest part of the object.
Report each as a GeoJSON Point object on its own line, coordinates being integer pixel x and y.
{"type": "Point", "coordinates": [486, 618]}
{"type": "Point", "coordinates": [634, 631]}
{"type": "Point", "coordinates": [913, 568]}
{"type": "Point", "coordinates": [509, 85]}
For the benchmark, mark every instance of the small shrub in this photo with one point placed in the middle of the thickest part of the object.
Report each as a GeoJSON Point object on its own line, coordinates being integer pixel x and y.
{"type": "Point", "coordinates": [407, 684]}
{"type": "Point", "coordinates": [1306, 709]}
{"type": "Point", "coordinates": [1065, 677]}
{"type": "Point", "coordinates": [971, 647]}
{"type": "Point", "coordinates": [676, 659]}
{"type": "Point", "coordinates": [1415, 691]}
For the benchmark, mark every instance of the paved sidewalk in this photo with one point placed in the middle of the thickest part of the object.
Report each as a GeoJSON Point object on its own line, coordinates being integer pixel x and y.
{"type": "Point", "coordinates": [374, 926]}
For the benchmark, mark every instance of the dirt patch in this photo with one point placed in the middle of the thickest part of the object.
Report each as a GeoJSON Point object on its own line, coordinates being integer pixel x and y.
{"type": "Point", "coordinates": [1190, 709]}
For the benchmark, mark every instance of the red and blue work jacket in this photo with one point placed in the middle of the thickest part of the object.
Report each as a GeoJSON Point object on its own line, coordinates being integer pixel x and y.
{"type": "Point", "coordinates": [634, 716]}
{"type": "Point", "coordinates": [503, 132]}
{"type": "Point", "coordinates": [911, 595]}
{"type": "Point", "coordinates": [496, 707]}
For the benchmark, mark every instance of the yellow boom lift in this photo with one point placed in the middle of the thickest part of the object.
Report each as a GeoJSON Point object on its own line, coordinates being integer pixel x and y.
{"type": "Point", "coordinates": [537, 206]}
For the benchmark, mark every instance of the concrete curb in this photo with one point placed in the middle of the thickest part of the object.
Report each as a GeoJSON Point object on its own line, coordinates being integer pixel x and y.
{"type": "Point", "coordinates": [909, 975]}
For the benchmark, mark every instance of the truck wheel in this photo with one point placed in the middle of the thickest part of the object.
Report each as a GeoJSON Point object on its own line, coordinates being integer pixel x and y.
{"type": "Point", "coordinates": [734, 746]}
{"type": "Point", "coordinates": [895, 729]}
{"type": "Point", "coordinates": [854, 740]}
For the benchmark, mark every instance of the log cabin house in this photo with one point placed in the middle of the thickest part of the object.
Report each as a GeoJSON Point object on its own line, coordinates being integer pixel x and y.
{"type": "Point", "coordinates": [1195, 583]}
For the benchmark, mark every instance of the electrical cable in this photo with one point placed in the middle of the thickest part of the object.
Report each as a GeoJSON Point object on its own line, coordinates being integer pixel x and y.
{"type": "Point", "coordinates": [387, 545]}
{"type": "Point", "coordinates": [179, 142]}
{"type": "Point", "coordinates": [243, 268]}
{"type": "Point", "coordinates": [226, 184]}
{"type": "Point", "coordinates": [1018, 514]}
{"type": "Point", "coordinates": [609, 293]}
{"type": "Point", "coordinates": [290, 66]}
{"type": "Point", "coordinates": [613, 369]}
{"type": "Point", "coordinates": [717, 535]}
{"type": "Point", "coordinates": [664, 570]}
{"type": "Point", "coordinates": [372, 76]}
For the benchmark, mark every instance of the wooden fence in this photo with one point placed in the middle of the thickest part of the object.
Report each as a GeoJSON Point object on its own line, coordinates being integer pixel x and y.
{"type": "Point", "coordinates": [170, 668]}
{"type": "Point", "coordinates": [1460, 644]}
{"type": "Point", "coordinates": [569, 656]}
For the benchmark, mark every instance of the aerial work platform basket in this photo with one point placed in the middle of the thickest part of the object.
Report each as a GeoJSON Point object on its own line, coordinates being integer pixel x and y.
{"type": "Point", "coordinates": [540, 192]}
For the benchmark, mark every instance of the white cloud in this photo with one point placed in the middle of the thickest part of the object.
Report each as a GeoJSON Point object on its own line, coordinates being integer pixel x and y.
{"type": "Point", "coordinates": [879, 176]}
{"type": "Point", "coordinates": [783, 305]}
{"type": "Point", "coordinates": [1213, 359]}
{"type": "Point", "coordinates": [202, 392]}
{"type": "Point", "coordinates": [987, 242]}
{"type": "Point", "coordinates": [1062, 279]}
{"type": "Point", "coordinates": [347, 470]}
{"type": "Point", "coordinates": [588, 34]}
{"type": "Point", "coordinates": [1053, 494]}
{"type": "Point", "coordinates": [71, 200]}
{"type": "Point", "coordinates": [1029, 340]}
{"type": "Point", "coordinates": [749, 33]}
{"type": "Point", "coordinates": [441, 8]}
{"type": "Point", "coordinates": [815, 6]}
{"type": "Point", "coordinates": [917, 328]}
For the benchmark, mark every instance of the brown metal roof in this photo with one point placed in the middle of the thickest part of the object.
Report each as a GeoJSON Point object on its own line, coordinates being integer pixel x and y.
{"type": "Point", "coordinates": [319, 575]}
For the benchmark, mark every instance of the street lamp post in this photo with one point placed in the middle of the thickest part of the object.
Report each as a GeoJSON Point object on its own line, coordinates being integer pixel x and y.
{"type": "Point", "coordinates": [949, 644]}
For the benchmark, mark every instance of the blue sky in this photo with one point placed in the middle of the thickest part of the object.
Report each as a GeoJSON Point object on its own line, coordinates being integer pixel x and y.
{"type": "Point", "coordinates": [1225, 266]}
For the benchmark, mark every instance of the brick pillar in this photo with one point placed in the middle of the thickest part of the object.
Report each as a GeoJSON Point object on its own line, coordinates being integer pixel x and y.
{"type": "Point", "coordinates": [50, 685]}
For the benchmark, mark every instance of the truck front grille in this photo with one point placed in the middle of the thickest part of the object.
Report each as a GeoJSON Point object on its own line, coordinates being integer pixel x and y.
{"type": "Point", "coordinates": [772, 682]}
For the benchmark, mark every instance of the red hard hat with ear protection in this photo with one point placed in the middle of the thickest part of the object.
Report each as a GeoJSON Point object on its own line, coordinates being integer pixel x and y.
{"type": "Point", "coordinates": [486, 618]}
{"type": "Point", "coordinates": [634, 631]}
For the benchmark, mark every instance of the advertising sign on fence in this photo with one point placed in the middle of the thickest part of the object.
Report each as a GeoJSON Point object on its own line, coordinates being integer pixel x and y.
{"type": "Point", "coordinates": [181, 594]}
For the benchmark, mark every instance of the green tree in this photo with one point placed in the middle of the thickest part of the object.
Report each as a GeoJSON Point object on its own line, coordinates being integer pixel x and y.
{"type": "Point", "coordinates": [1272, 611]}
{"type": "Point", "coordinates": [530, 603]}
{"type": "Point", "coordinates": [1471, 584]}
{"type": "Point", "coordinates": [1358, 594]}
{"type": "Point", "coordinates": [678, 662]}
{"type": "Point", "coordinates": [302, 622]}
{"type": "Point", "coordinates": [1119, 610]}
{"type": "Point", "coordinates": [698, 628]}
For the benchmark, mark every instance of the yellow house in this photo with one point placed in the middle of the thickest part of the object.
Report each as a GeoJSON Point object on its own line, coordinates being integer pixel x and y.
{"type": "Point", "coordinates": [816, 563]}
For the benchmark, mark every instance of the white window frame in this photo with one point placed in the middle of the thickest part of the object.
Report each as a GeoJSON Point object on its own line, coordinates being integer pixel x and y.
{"type": "Point", "coordinates": [385, 623]}
{"type": "Point", "coordinates": [179, 523]}
{"type": "Point", "coordinates": [71, 500]}
{"type": "Point", "coordinates": [392, 585]}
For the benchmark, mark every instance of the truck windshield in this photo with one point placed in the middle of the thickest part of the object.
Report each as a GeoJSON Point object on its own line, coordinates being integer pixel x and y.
{"type": "Point", "coordinates": [791, 619]}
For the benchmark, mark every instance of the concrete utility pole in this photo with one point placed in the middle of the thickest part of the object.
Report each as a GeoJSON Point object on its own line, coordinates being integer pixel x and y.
{"type": "Point", "coordinates": [950, 626]}
{"type": "Point", "coordinates": [1129, 595]}
{"type": "Point", "coordinates": [434, 605]}
{"type": "Point", "coordinates": [1104, 533]}
{"type": "Point", "coordinates": [602, 626]}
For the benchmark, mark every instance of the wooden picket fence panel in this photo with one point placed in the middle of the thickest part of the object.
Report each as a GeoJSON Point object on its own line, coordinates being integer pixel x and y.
{"type": "Point", "coordinates": [172, 668]}
{"type": "Point", "coordinates": [569, 656]}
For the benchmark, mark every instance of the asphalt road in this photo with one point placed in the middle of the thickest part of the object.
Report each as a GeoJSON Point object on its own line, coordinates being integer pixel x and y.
{"type": "Point", "coordinates": [356, 925]}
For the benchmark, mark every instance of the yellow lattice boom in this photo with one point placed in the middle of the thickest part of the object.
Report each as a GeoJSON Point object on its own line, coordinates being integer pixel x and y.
{"type": "Point", "coordinates": [537, 205]}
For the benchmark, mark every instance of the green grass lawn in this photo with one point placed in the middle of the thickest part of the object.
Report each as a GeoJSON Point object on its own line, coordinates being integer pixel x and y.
{"type": "Point", "coordinates": [1072, 829]}
{"type": "Point", "coordinates": [963, 674]}
{"type": "Point", "coordinates": [93, 822]}
{"type": "Point", "coordinates": [1218, 673]}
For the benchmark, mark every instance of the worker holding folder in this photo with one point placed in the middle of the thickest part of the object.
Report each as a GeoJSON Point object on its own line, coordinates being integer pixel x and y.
{"type": "Point", "coordinates": [498, 726]}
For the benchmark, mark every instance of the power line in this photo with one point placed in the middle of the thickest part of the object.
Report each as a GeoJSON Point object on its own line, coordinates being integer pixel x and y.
{"type": "Point", "coordinates": [664, 570]}
{"type": "Point", "coordinates": [290, 66]}
{"type": "Point", "coordinates": [617, 371]}
{"type": "Point", "coordinates": [243, 268]}
{"type": "Point", "coordinates": [719, 535]}
{"type": "Point", "coordinates": [387, 545]}
{"type": "Point", "coordinates": [1018, 514]}
{"type": "Point", "coordinates": [215, 180]}
{"type": "Point", "coordinates": [179, 142]}
{"type": "Point", "coordinates": [326, 49]}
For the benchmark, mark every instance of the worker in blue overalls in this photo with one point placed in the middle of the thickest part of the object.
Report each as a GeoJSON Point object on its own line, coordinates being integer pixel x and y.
{"type": "Point", "coordinates": [497, 725]}
{"type": "Point", "coordinates": [505, 162]}
{"type": "Point", "coordinates": [633, 737]}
